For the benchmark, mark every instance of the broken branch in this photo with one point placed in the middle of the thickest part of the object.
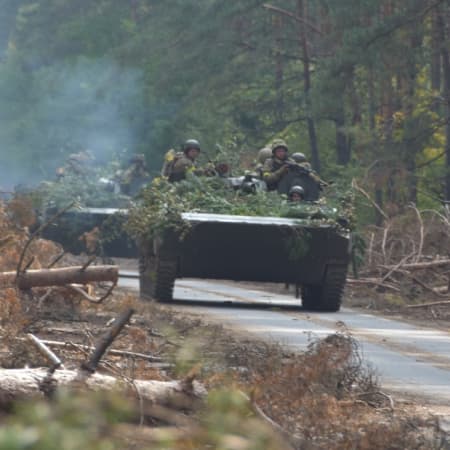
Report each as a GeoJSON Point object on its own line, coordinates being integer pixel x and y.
{"type": "Point", "coordinates": [86, 296]}
{"type": "Point", "coordinates": [292, 15]}
{"type": "Point", "coordinates": [112, 351]}
{"type": "Point", "coordinates": [106, 340]}
{"type": "Point", "coordinates": [36, 233]}
{"type": "Point", "coordinates": [46, 352]}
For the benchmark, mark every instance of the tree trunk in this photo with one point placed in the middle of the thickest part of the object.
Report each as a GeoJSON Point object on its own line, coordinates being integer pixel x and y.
{"type": "Point", "coordinates": [435, 52]}
{"type": "Point", "coordinates": [446, 94]}
{"type": "Point", "coordinates": [134, 12]}
{"type": "Point", "coordinates": [59, 277]}
{"type": "Point", "coordinates": [18, 384]}
{"type": "Point", "coordinates": [342, 144]}
{"type": "Point", "coordinates": [279, 70]}
{"type": "Point", "coordinates": [315, 160]}
{"type": "Point", "coordinates": [378, 189]}
{"type": "Point", "coordinates": [355, 147]}
{"type": "Point", "coordinates": [412, 149]}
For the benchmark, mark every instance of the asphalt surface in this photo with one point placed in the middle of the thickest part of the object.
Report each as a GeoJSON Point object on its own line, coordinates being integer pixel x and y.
{"type": "Point", "coordinates": [407, 359]}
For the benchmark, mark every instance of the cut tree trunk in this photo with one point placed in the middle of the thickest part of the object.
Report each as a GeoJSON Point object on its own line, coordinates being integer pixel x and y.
{"type": "Point", "coordinates": [58, 277]}
{"type": "Point", "coordinates": [25, 383]}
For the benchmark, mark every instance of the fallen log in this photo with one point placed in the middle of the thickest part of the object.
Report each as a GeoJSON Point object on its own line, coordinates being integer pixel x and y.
{"type": "Point", "coordinates": [426, 305]}
{"type": "Point", "coordinates": [58, 277]}
{"type": "Point", "coordinates": [151, 435]}
{"type": "Point", "coordinates": [372, 281]}
{"type": "Point", "coordinates": [18, 384]}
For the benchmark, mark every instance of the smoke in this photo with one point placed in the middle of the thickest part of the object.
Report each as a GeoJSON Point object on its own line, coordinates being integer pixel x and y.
{"type": "Point", "coordinates": [8, 12]}
{"type": "Point", "coordinates": [48, 113]}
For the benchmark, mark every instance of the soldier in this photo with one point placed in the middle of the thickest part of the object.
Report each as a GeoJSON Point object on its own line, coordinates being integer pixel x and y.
{"type": "Point", "coordinates": [263, 155]}
{"type": "Point", "coordinates": [184, 162]}
{"type": "Point", "coordinates": [134, 176]}
{"type": "Point", "coordinates": [277, 166]}
{"type": "Point", "coordinates": [76, 164]}
{"type": "Point", "coordinates": [296, 194]}
{"type": "Point", "coordinates": [301, 160]}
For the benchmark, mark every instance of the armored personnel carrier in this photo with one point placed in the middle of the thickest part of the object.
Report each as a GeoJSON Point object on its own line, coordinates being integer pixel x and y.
{"type": "Point", "coordinates": [311, 251]}
{"type": "Point", "coordinates": [101, 200]}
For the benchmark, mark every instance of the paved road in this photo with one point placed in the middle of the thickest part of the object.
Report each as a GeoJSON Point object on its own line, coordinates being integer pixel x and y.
{"type": "Point", "coordinates": [407, 358]}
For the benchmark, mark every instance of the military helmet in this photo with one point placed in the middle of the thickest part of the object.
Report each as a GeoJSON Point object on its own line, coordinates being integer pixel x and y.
{"type": "Point", "coordinates": [137, 158]}
{"type": "Point", "coordinates": [264, 154]}
{"type": "Point", "coordinates": [83, 156]}
{"type": "Point", "coordinates": [299, 157]}
{"type": "Point", "coordinates": [278, 143]}
{"type": "Point", "coordinates": [297, 190]}
{"type": "Point", "coordinates": [191, 143]}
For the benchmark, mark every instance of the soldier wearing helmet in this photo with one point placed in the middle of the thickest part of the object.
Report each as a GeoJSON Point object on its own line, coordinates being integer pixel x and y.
{"type": "Point", "coordinates": [301, 160]}
{"type": "Point", "coordinates": [77, 164]}
{"type": "Point", "coordinates": [277, 166]}
{"type": "Point", "coordinates": [263, 155]}
{"type": "Point", "coordinates": [299, 157]}
{"type": "Point", "coordinates": [185, 162]}
{"type": "Point", "coordinates": [296, 194]}
{"type": "Point", "coordinates": [134, 176]}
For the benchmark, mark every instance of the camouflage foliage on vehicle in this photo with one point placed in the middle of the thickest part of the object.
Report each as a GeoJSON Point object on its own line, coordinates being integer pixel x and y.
{"type": "Point", "coordinates": [161, 204]}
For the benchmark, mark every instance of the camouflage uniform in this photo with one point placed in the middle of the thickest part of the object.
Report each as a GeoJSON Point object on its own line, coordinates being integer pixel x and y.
{"type": "Point", "coordinates": [263, 154]}
{"type": "Point", "coordinates": [135, 174]}
{"type": "Point", "coordinates": [273, 171]}
{"type": "Point", "coordinates": [307, 166]}
{"type": "Point", "coordinates": [76, 164]}
{"type": "Point", "coordinates": [177, 166]}
{"type": "Point", "coordinates": [182, 166]}
{"type": "Point", "coordinates": [274, 168]}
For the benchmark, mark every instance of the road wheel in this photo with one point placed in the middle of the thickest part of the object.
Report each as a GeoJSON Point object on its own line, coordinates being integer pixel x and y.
{"type": "Point", "coordinates": [328, 295]}
{"type": "Point", "coordinates": [156, 277]}
{"type": "Point", "coordinates": [147, 275]}
{"type": "Point", "coordinates": [166, 272]}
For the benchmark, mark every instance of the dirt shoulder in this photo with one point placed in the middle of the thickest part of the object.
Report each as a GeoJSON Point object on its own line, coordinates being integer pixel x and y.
{"type": "Point", "coordinates": [322, 398]}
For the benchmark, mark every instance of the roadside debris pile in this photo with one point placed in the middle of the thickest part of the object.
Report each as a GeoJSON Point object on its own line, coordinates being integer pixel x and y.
{"type": "Point", "coordinates": [169, 380]}
{"type": "Point", "coordinates": [407, 260]}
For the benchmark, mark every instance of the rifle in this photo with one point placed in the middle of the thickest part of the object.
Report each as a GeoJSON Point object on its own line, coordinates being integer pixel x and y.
{"type": "Point", "coordinates": [220, 168]}
{"type": "Point", "coordinates": [306, 171]}
{"type": "Point", "coordinates": [298, 167]}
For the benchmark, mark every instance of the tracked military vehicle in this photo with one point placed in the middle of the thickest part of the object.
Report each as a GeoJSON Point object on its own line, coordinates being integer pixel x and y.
{"type": "Point", "coordinates": [312, 252]}
{"type": "Point", "coordinates": [101, 208]}
{"type": "Point", "coordinates": [70, 227]}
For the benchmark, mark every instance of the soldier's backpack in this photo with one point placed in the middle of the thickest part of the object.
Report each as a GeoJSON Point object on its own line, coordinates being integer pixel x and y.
{"type": "Point", "coordinates": [170, 158]}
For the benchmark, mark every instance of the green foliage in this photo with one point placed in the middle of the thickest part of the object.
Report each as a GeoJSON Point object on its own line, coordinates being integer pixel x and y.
{"type": "Point", "coordinates": [84, 183]}
{"type": "Point", "coordinates": [67, 423]}
{"type": "Point", "coordinates": [230, 422]}
{"type": "Point", "coordinates": [298, 244]}
{"type": "Point", "coordinates": [162, 204]}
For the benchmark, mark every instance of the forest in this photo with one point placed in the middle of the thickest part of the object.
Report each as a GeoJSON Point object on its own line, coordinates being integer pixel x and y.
{"type": "Point", "coordinates": [361, 87]}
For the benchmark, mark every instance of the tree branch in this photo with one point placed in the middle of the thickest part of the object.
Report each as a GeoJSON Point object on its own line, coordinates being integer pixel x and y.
{"type": "Point", "coordinates": [292, 15]}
